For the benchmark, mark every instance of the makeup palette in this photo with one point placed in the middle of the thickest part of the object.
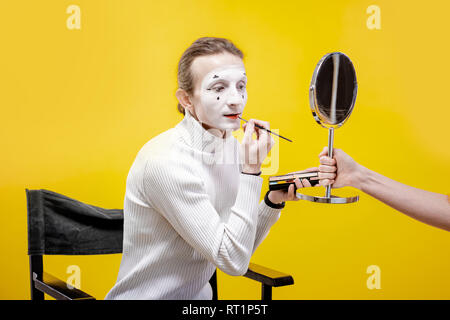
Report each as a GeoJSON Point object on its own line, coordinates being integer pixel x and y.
{"type": "Point", "coordinates": [284, 181]}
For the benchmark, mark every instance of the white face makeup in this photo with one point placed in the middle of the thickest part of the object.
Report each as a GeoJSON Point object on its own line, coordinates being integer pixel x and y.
{"type": "Point", "coordinates": [223, 92]}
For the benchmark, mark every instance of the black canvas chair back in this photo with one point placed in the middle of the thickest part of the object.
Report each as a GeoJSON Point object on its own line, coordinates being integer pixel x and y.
{"type": "Point", "coordinates": [64, 226]}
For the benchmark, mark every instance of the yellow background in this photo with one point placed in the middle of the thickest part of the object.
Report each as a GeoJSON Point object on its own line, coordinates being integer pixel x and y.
{"type": "Point", "coordinates": [77, 105]}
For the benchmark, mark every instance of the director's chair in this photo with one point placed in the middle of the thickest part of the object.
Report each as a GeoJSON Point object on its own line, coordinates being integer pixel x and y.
{"type": "Point", "coordinates": [59, 225]}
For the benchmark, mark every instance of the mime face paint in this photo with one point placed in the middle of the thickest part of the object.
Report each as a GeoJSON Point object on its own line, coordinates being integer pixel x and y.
{"type": "Point", "coordinates": [222, 92]}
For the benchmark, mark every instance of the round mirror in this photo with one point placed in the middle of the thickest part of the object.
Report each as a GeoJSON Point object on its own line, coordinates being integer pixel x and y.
{"type": "Point", "coordinates": [333, 90]}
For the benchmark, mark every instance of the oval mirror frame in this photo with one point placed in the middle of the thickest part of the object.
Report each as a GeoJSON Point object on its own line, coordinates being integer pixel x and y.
{"type": "Point", "coordinates": [315, 106]}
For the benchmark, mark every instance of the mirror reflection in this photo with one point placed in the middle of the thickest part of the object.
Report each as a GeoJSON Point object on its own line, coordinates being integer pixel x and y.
{"type": "Point", "coordinates": [334, 89]}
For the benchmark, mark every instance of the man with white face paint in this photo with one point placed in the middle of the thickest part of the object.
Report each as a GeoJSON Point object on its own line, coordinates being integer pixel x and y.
{"type": "Point", "coordinates": [218, 99]}
{"type": "Point", "coordinates": [184, 216]}
{"type": "Point", "coordinates": [223, 96]}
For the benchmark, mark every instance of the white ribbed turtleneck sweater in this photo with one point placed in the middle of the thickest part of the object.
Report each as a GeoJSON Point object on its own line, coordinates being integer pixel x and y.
{"type": "Point", "coordinates": [188, 210]}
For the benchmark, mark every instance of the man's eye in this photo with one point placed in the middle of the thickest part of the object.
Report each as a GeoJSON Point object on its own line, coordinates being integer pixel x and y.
{"type": "Point", "coordinates": [242, 87]}
{"type": "Point", "coordinates": [219, 89]}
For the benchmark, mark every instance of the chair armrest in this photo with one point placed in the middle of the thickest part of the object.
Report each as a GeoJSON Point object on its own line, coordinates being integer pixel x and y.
{"type": "Point", "coordinates": [58, 289]}
{"type": "Point", "coordinates": [268, 276]}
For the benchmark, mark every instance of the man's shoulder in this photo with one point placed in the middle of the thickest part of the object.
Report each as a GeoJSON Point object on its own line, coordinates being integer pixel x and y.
{"type": "Point", "coordinates": [160, 144]}
{"type": "Point", "coordinates": [158, 147]}
{"type": "Point", "coordinates": [162, 169]}
{"type": "Point", "coordinates": [166, 152]}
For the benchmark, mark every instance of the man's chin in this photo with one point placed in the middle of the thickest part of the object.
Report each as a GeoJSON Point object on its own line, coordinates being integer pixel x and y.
{"type": "Point", "coordinates": [230, 129]}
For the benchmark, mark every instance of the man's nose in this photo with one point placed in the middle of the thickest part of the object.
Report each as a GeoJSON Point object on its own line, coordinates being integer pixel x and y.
{"type": "Point", "coordinates": [235, 97]}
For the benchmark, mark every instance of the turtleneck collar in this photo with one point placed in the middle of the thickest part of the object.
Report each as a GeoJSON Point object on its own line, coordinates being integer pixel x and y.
{"type": "Point", "coordinates": [199, 138]}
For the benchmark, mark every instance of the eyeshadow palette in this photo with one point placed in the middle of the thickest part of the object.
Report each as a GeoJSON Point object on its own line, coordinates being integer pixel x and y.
{"type": "Point", "coordinates": [284, 181]}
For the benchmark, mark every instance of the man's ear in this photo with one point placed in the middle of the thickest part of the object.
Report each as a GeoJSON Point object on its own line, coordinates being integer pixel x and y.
{"type": "Point", "coordinates": [184, 100]}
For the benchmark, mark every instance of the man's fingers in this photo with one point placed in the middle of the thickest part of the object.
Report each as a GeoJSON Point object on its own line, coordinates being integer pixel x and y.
{"type": "Point", "coordinates": [264, 124]}
{"type": "Point", "coordinates": [298, 183]}
{"type": "Point", "coordinates": [291, 192]}
{"type": "Point", "coordinates": [261, 132]}
{"type": "Point", "coordinates": [248, 132]}
{"type": "Point", "coordinates": [306, 183]}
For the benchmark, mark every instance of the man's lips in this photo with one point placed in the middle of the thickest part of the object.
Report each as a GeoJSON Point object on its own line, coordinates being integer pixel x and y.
{"type": "Point", "coordinates": [232, 115]}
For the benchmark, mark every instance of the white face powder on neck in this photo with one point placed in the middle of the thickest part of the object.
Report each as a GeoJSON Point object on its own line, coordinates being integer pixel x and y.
{"type": "Point", "coordinates": [222, 92]}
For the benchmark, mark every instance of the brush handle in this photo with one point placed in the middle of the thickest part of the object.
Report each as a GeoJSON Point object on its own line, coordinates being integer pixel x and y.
{"type": "Point", "coordinates": [260, 127]}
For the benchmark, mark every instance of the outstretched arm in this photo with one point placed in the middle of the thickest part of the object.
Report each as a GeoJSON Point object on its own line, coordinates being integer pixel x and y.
{"type": "Point", "coordinates": [425, 206]}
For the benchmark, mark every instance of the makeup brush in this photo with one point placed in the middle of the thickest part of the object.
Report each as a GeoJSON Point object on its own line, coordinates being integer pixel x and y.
{"type": "Point", "coordinates": [256, 125]}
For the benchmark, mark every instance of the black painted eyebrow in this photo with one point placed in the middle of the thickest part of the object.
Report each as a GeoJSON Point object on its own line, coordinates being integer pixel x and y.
{"type": "Point", "coordinates": [216, 76]}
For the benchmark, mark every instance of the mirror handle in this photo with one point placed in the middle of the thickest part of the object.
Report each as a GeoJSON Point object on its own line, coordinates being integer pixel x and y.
{"type": "Point", "coordinates": [330, 154]}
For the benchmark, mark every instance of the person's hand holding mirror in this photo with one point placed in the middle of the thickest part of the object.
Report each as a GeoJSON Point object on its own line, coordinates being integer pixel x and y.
{"type": "Point", "coordinates": [348, 168]}
{"type": "Point", "coordinates": [425, 206]}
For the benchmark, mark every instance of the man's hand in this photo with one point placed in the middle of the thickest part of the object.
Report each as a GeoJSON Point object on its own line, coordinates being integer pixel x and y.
{"type": "Point", "coordinates": [253, 152]}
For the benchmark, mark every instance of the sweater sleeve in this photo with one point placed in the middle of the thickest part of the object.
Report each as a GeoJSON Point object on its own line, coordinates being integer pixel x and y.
{"type": "Point", "coordinates": [180, 196]}
{"type": "Point", "coordinates": [267, 217]}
